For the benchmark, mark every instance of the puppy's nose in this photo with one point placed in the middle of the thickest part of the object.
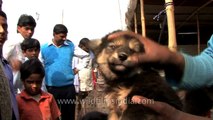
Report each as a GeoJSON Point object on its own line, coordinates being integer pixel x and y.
{"type": "Point", "coordinates": [122, 56]}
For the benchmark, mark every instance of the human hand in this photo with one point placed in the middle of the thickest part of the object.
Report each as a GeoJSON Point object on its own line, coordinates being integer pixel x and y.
{"type": "Point", "coordinates": [165, 111]}
{"type": "Point", "coordinates": [155, 55]}
{"type": "Point", "coordinates": [75, 71]}
{"type": "Point", "coordinates": [152, 49]}
{"type": "Point", "coordinates": [15, 64]}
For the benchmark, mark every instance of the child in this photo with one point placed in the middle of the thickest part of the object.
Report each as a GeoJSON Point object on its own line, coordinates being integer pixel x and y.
{"type": "Point", "coordinates": [33, 103]}
{"type": "Point", "coordinates": [30, 48]}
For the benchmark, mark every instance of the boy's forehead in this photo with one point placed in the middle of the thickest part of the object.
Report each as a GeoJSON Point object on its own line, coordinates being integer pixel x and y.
{"type": "Point", "coordinates": [28, 27]}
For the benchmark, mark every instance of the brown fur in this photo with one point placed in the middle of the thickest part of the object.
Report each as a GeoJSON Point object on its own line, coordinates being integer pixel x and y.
{"type": "Point", "coordinates": [125, 79]}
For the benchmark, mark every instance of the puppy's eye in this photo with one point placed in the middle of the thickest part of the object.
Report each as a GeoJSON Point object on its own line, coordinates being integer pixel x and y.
{"type": "Point", "coordinates": [111, 46]}
{"type": "Point", "coordinates": [137, 48]}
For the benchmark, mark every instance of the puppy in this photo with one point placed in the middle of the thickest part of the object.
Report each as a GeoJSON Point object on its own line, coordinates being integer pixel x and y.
{"type": "Point", "coordinates": [124, 79]}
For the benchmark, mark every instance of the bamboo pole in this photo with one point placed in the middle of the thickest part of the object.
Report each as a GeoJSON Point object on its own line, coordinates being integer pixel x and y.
{"type": "Point", "coordinates": [135, 23]}
{"type": "Point", "coordinates": [62, 16]}
{"type": "Point", "coordinates": [171, 25]}
{"type": "Point", "coordinates": [198, 35]}
{"type": "Point", "coordinates": [143, 25]}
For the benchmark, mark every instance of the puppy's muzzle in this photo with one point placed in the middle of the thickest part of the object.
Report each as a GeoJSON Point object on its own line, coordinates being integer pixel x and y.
{"type": "Point", "coordinates": [122, 56]}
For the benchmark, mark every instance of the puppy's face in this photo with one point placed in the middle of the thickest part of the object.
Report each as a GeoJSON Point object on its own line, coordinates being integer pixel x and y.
{"type": "Point", "coordinates": [114, 56]}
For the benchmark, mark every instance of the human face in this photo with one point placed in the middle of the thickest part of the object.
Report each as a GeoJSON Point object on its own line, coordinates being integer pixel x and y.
{"type": "Point", "coordinates": [59, 38]}
{"type": "Point", "coordinates": [3, 30]}
{"type": "Point", "coordinates": [83, 47]}
{"type": "Point", "coordinates": [33, 84]}
{"type": "Point", "coordinates": [26, 31]}
{"type": "Point", "coordinates": [31, 53]}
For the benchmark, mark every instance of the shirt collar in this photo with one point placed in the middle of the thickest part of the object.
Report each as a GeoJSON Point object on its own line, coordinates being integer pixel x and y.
{"type": "Point", "coordinates": [65, 42]}
{"type": "Point", "coordinates": [24, 95]}
{"type": "Point", "coordinates": [4, 60]}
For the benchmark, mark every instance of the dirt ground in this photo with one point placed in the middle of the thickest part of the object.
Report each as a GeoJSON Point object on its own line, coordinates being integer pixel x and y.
{"type": "Point", "coordinates": [93, 102]}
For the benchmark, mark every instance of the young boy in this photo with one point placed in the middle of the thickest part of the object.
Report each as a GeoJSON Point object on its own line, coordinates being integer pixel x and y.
{"type": "Point", "coordinates": [33, 103]}
{"type": "Point", "coordinates": [30, 48]}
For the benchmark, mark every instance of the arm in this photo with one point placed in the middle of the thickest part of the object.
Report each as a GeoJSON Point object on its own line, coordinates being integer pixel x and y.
{"type": "Point", "coordinates": [83, 59]}
{"type": "Point", "coordinates": [13, 54]}
{"type": "Point", "coordinates": [198, 69]}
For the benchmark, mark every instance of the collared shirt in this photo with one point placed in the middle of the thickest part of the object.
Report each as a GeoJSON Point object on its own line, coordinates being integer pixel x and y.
{"type": "Point", "coordinates": [9, 75]}
{"type": "Point", "coordinates": [44, 109]}
{"type": "Point", "coordinates": [12, 50]}
{"type": "Point", "coordinates": [57, 62]}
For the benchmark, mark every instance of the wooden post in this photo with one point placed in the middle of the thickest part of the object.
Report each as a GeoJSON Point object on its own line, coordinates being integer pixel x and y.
{"type": "Point", "coordinates": [1, 4]}
{"type": "Point", "coordinates": [143, 25]}
{"type": "Point", "coordinates": [172, 44]}
{"type": "Point", "coordinates": [198, 35]}
{"type": "Point", "coordinates": [135, 23]}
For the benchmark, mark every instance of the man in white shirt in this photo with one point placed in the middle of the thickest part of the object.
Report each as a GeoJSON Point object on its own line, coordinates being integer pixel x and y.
{"type": "Point", "coordinates": [12, 49]}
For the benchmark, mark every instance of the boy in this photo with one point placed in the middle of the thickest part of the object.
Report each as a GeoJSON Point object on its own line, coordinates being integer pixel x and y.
{"type": "Point", "coordinates": [33, 103]}
{"type": "Point", "coordinates": [30, 48]}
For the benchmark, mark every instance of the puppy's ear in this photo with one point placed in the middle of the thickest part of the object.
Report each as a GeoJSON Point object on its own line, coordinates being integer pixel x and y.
{"type": "Point", "coordinates": [94, 45]}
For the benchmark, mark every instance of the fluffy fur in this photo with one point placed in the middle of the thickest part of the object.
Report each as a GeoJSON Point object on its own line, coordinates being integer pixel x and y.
{"type": "Point", "coordinates": [125, 79]}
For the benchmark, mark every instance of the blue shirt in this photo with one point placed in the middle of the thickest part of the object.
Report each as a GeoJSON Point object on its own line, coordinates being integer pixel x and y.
{"type": "Point", "coordinates": [58, 64]}
{"type": "Point", "coordinates": [198, 71]}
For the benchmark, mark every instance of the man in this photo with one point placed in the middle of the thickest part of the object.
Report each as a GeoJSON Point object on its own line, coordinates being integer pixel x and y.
{"type": "Point", "coordinates": [12, 49]}
{"type": "Point", "coordinates": [7, 95]}
{"type": "Point", "coordinates": [57, 56]}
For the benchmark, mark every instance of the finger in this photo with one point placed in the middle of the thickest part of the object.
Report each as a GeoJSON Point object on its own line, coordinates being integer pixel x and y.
{"type": "Point", "coordinates": [118, 34]}
{"type": "Point", "coordinates": [157, 106]}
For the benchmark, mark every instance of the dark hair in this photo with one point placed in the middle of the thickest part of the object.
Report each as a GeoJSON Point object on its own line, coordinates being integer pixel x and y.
{"type": "Point", "coordinates": [31, 66]}
{"type": "Point", "coordinates": [30, 43]}
{"type": "Point", "coordinates": [26, 20]}
{"type": "Point", "coordinates": [84, 41]}
{"type": "Point", "coordinates": [3, 14]}
{"type": "Point", "coordinates": [60, 28]}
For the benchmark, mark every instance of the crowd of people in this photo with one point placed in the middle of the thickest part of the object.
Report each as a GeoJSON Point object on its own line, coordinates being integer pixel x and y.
{"type": "Point", "coordinates": [40, 77]}
{"type": "Point", "coordinates": [37, 79]}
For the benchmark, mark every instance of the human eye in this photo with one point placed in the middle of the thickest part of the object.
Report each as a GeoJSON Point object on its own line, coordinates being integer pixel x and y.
{"type": "Point", "coordinates": [30, 81]}
{"type": "Point", "coordinates": [5, 26]}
